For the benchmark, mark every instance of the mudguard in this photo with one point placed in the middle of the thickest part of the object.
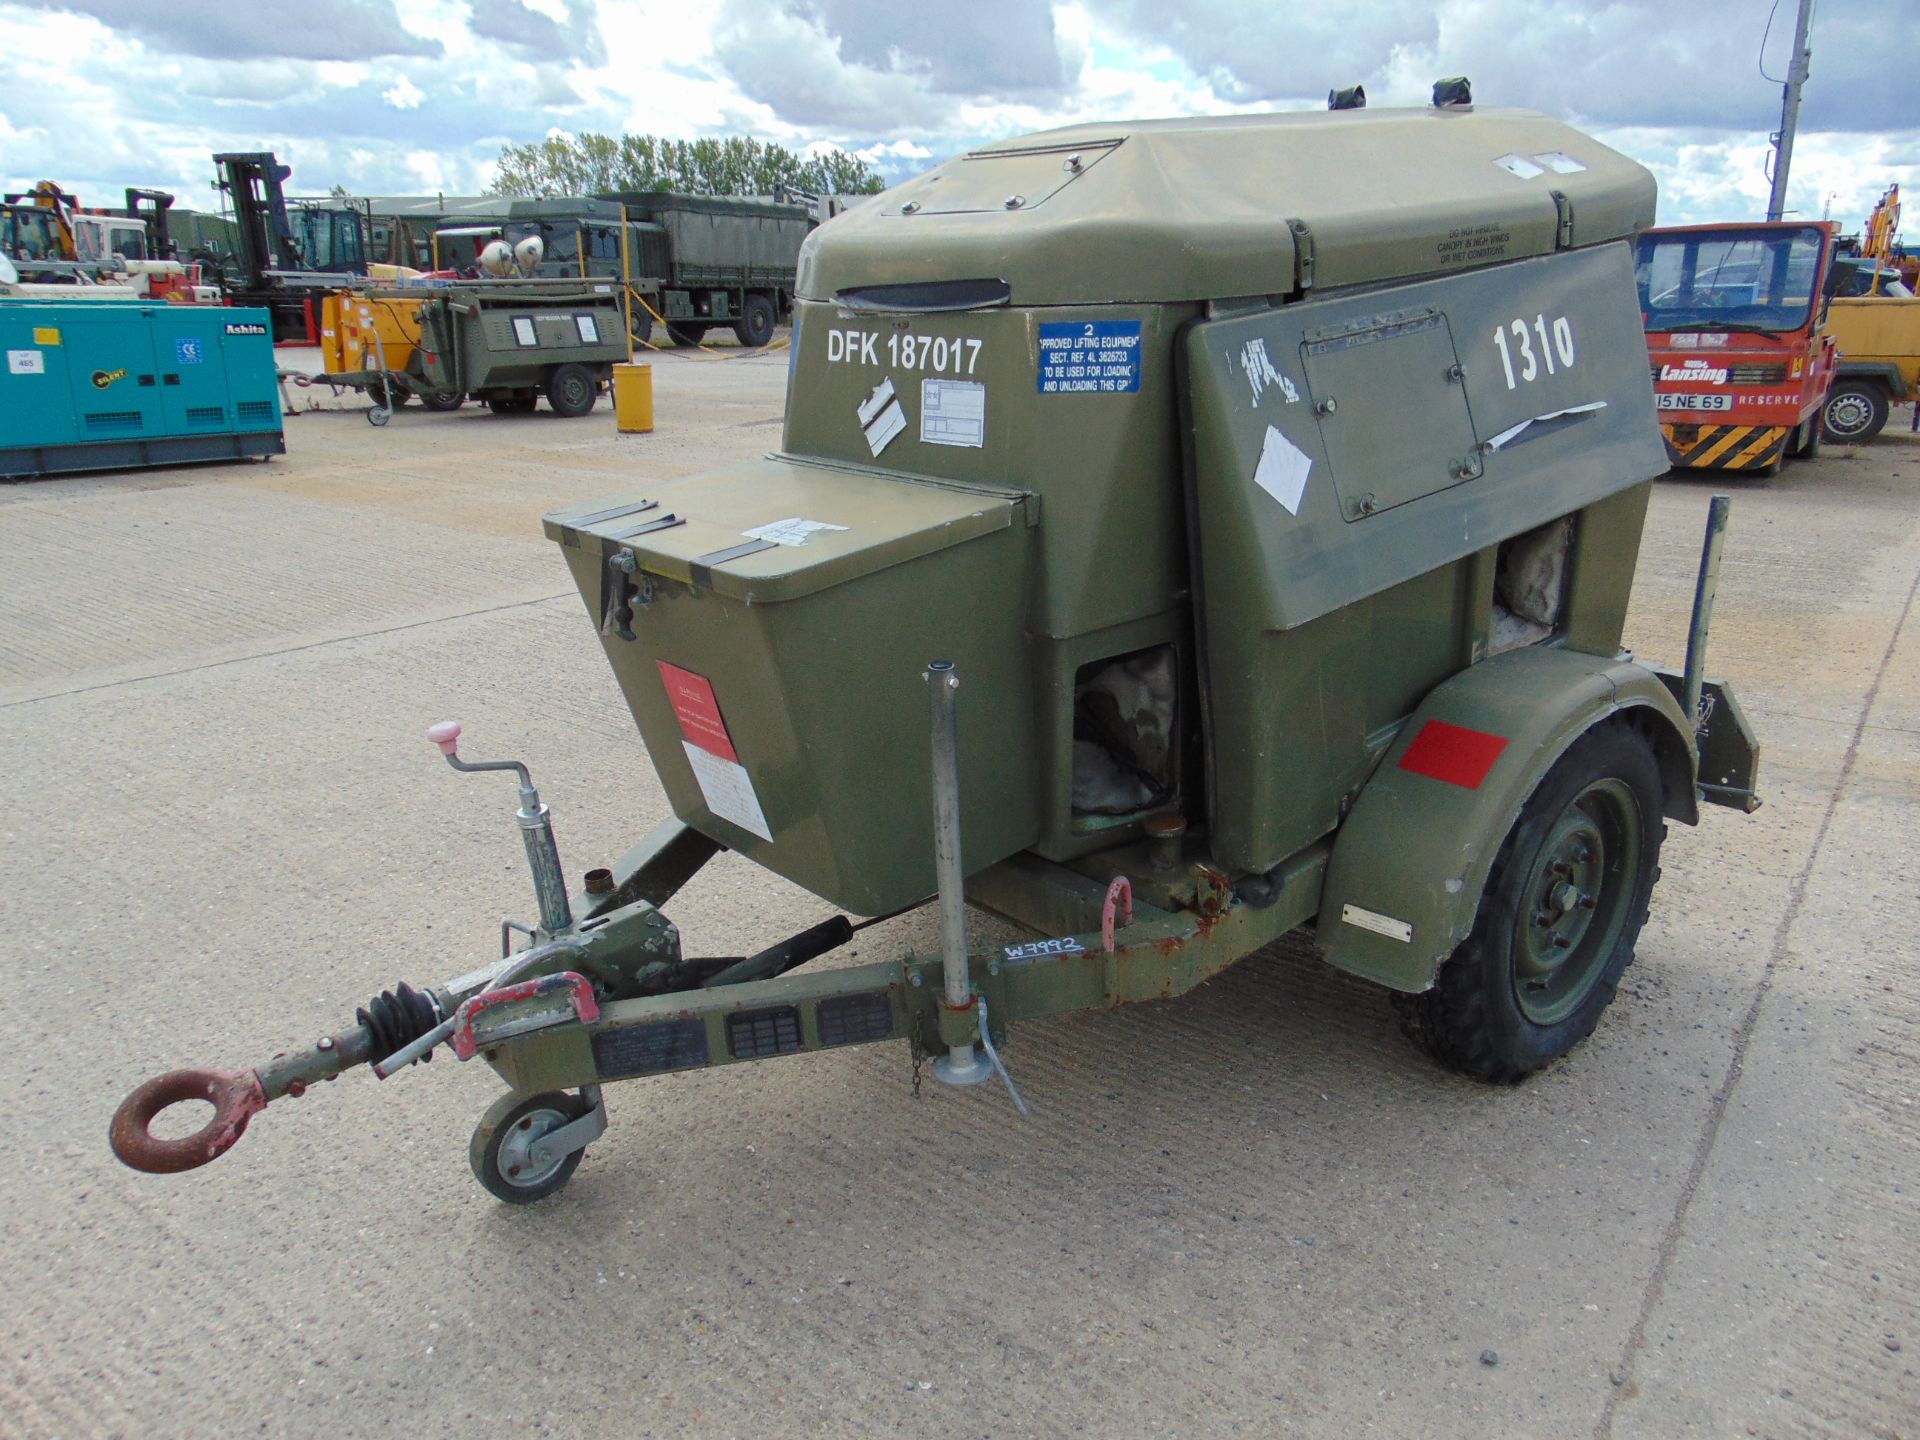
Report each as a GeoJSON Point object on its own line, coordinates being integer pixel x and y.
{"type": "Point", "coordinates": [1412, 859]}
{"type": "Point", "coordinates": [1885, 371]}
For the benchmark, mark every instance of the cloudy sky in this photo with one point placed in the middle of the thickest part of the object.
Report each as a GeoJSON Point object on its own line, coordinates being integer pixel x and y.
{"type": "Point", "coordinates": [412, 96]}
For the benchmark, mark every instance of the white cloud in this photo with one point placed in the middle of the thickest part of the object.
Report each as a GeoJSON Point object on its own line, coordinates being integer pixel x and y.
{"type": "Point", "coordinates": [404, 94]}
{"type": "Point", "coordinates": [144, 101]}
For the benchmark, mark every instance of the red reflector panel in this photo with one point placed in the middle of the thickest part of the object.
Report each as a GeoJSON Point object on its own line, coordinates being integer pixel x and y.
{"type": "Point", "coordinates": [698, 711]}
{"type": "Point", "coordinates": [1453, 753]}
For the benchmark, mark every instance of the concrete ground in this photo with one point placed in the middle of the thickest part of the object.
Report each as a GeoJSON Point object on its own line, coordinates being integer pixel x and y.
{"type": "Point", "coordinates": [1249, 1211]}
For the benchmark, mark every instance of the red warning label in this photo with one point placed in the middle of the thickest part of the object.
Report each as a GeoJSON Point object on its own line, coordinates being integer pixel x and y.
{"type": "Point", "coordinates": [699, 713]}
{"type": "Point", "coordinates": [1453, 753]}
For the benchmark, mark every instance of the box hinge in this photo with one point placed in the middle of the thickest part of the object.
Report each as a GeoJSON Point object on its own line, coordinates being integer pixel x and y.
{"type": "Point", "coordinates": [1564, 208]}
{"type": "Point", "coordinates": [1302, 254]}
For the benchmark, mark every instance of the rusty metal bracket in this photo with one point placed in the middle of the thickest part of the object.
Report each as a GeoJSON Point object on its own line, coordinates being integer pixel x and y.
{"type": "Point", "coordinates": [467, 1039]}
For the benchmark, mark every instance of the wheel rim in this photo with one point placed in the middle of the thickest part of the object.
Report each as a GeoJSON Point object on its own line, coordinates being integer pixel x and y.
{"type": "Point", "coordinates": [573, 391]}
{"type": "Point", "coordinates": [1576, 901]}
{"type": "Point", "coordinates": [515, 1157]}
{"type": "Point", "coordinates": [1849, 414]}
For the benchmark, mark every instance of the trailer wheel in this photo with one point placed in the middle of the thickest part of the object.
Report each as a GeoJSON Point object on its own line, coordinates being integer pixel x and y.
{"type": "Point", "coordinates": [755, 325]}
{"type": "Point", "coordinates": [1855, 412]}
{"type": "Point", "coordinates": [500, 1151]}
{"type": "Point", "coordinates": [443, 399]}
{"type": "Point", "coordinates": [1557, 925]}
{"type": "Point", "coordinates": [572, 389]}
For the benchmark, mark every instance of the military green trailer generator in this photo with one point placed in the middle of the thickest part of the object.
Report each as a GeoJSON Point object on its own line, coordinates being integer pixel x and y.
{"type": "Point", "coordinates": [1182, 533]}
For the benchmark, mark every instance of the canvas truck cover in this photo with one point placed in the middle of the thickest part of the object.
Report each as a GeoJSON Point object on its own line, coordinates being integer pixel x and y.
{"type": "Point", "coordinates": [1219, 207]}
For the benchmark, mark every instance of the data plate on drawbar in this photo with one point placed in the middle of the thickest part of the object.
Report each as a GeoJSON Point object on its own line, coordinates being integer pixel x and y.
{"type": "Point", "coordinates": [756, 1034]}
{"type": "Point", "coordinates": [856, 1019]}
{"type": "Point", "coordinates": [650, 1049]}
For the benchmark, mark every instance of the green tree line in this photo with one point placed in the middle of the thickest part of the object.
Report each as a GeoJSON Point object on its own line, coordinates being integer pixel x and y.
{"type": "Point", "coordinates": [587, 164]}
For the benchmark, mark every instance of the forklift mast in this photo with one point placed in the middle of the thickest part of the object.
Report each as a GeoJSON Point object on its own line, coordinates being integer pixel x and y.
{"type": "Point", "coordinates": [260, 210]}
{"type": "Point", "coordinates": [150, 208]}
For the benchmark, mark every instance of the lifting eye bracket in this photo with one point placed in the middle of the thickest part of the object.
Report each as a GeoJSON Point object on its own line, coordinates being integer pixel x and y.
{"type": "Point", "coordinates": [623, 584]}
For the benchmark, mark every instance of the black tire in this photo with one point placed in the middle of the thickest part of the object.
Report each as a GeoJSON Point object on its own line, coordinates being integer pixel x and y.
{"type": "Point", "coordinates": [755, 325]}
{"type": "Point", "coordinates": [1558, 921]}
{"type": "Point", "coordinates": [572, 389]}
{"type": "Point", "coordinates": [1855, 412]}
{"type": "Point", "coordinates": [642, 328]}
{"type": "Point", "coordinates": [513, 404]}
{"type": "Point", "coordinates": [497, 1151]}
{"type": "Point", "coordinates": [443, 400]}
{"type": "Point", "coordinates": [1805, 444]}
{"type": "Point", "coordinates": [686, 333]}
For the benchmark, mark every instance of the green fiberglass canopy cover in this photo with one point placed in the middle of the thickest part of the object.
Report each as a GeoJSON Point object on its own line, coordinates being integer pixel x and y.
{"type": "Point", "coordinates": [1218, 207]}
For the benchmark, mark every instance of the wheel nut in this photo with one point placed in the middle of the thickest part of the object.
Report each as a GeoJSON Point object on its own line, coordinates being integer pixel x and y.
{"type": "Point", "coordinates": [1560, 942]}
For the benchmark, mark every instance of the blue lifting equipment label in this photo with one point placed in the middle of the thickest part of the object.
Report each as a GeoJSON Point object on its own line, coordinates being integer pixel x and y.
{"type": "Point", "coordinates": [188, 352]}
{"type": "Point", "coordinates": [1089, 357]}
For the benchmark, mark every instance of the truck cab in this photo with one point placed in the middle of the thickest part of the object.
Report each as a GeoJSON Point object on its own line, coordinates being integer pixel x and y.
{"type": "Point", "coordinates": [1735, 317]}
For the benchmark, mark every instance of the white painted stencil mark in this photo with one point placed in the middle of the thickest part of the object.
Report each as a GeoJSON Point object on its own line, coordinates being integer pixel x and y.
{"type": "Point", "coordinates": [1261, 373]}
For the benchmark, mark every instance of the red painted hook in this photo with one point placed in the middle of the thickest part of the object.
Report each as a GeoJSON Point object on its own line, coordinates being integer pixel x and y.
{"type": "Point", "coordinates": [1121, 890]}
{"type": "Point", "coordinates": [236, 1097]}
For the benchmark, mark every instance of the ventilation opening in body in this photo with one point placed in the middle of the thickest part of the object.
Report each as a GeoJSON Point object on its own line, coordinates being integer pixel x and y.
{"type": "Point", "coordinates": [1124, 745]}
{"type": "Point", "coordinates": [1530, 586]}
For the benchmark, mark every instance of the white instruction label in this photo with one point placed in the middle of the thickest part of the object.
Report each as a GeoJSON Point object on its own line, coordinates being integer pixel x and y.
{"type": "Point", "coordinates": [26, 362]}
{"type": "Point", "coordinates": [788, 532]}
{"type": "Point", "coordinates": [1282, 471]}
{"type": "Point", "coordinates": [523, 331]}
{"type": "Point", "coordinates": [1520, 165]}
{"type": "Point", "coordinates": [953, 412]}
{"type": "Point", "coordinates": [727, 790]}
{"type": "Point", "coordinates": [589, 330]}
{"type": "Point", "coordinates": [881, 416]}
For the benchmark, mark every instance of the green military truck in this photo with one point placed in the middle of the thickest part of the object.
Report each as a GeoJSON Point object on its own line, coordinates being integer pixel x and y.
{"type": "Point", "coordinates": [721, 260]}
{"type": "Point", "coordinates": [693, 262]}
{"type": "Point", "coordinates": [1183, 532]}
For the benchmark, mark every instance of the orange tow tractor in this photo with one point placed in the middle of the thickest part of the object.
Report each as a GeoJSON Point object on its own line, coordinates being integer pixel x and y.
{"type": "Point", "coordinates": [1736, 331]}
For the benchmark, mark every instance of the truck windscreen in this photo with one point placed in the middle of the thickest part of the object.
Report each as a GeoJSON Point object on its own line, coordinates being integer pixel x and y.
{"type": "Point", "coordinates": [1729, 279]}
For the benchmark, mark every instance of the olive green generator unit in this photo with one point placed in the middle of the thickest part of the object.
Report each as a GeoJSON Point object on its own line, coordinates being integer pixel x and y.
{"type": "Point", "coordinates": [506, 343]}
{"type": "Point", "coordinates": [1182, 533]}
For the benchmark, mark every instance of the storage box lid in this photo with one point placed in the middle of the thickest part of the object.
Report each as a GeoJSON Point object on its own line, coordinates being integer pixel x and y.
{"type": "Point", "coordinates": [777, 528]}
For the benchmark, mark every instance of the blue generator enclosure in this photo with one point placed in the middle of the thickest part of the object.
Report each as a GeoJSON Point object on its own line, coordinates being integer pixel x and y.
{"type": "Point", "coordinates": [108, 384]}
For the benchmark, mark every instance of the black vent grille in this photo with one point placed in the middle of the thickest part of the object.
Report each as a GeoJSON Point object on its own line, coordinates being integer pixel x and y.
{"type": "Point", "coordinates": [112, 420]}
{"type": "Point", "coordinates": [255, 410]}
{"type": "Point", "coordinates": [206, 414]}
{"type": "Point", "coordinates": [1758, 374]}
